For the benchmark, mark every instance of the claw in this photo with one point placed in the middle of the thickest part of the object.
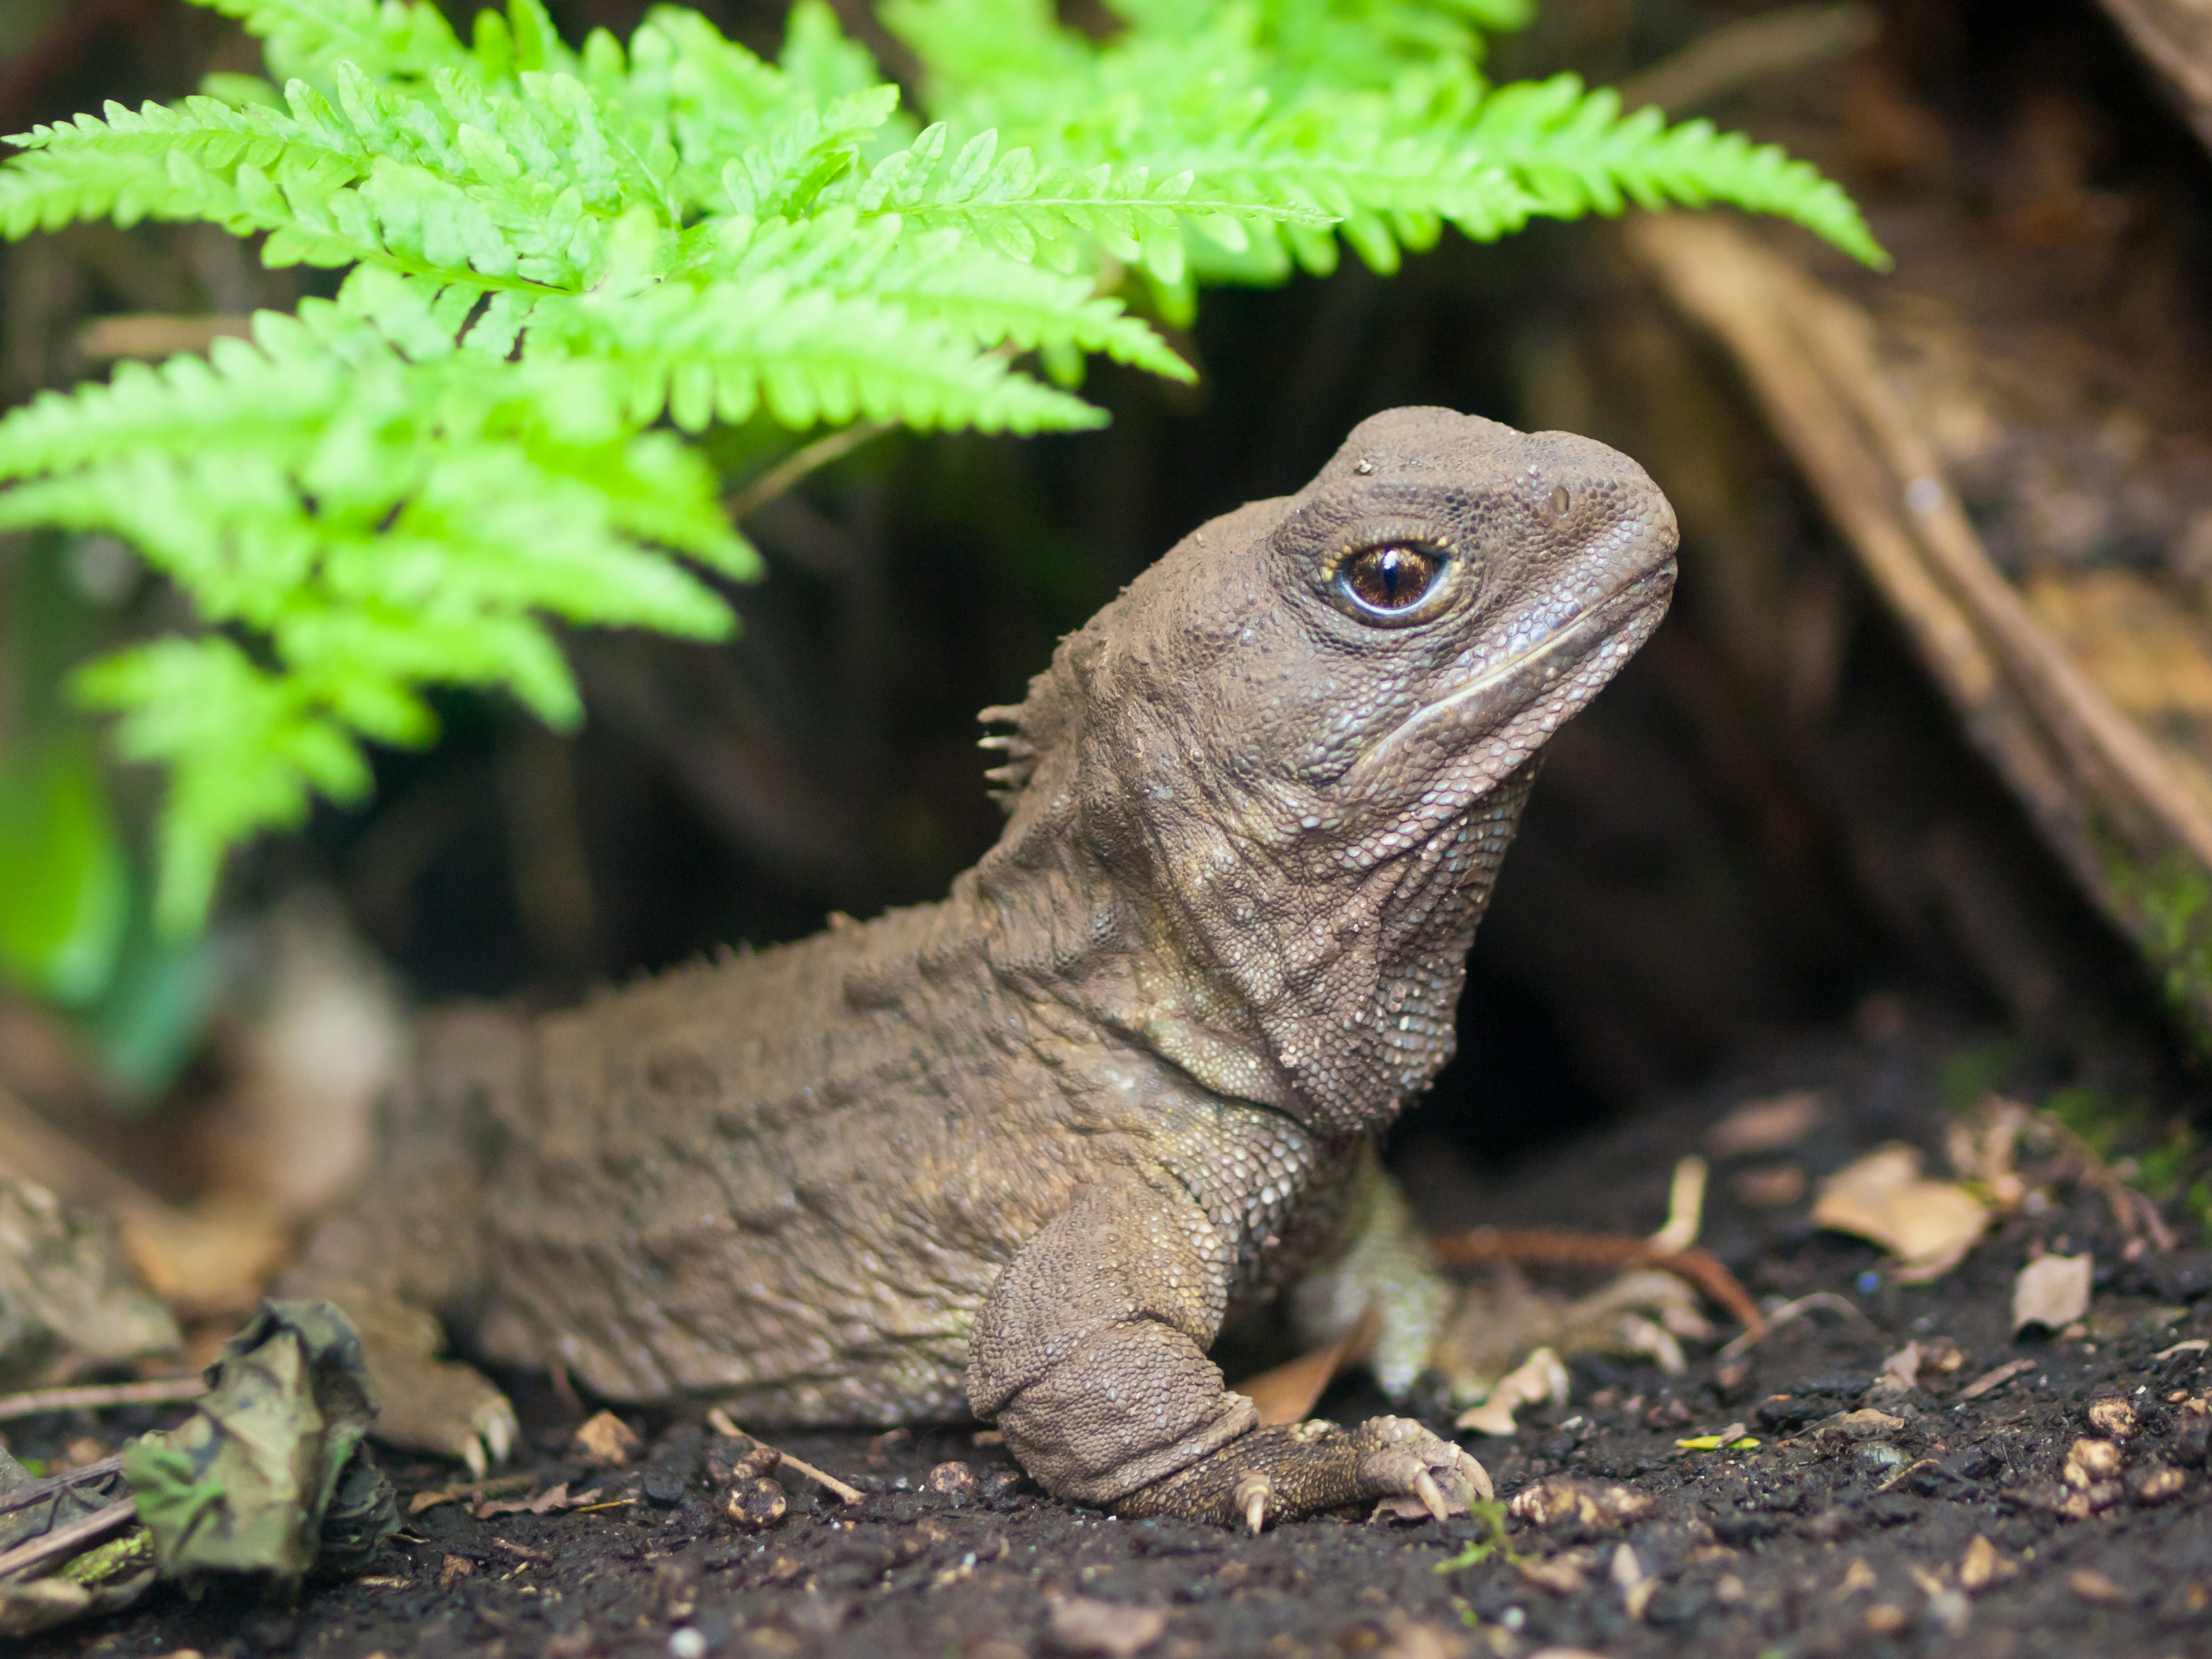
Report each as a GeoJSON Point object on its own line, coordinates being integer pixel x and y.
{"type": "Point", "coordinates": [1476, 1476]}
{"type": "Point", "coordinates": [472, 1453]}
{"type": "Point", "coordinates": [1251, 1498]}
{"type": "Point", "coordinates": [498, 1432]}
{"type": "Point", "coordinates": [1432, 1499]}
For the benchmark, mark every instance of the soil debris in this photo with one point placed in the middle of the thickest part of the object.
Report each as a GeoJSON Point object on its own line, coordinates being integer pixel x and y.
{"type": "Point", "coordinates": [1082, 1625]}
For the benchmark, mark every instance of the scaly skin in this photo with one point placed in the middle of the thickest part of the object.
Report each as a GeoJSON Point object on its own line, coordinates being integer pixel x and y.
{"type": "Point", "coordinates": [1020, 1151]}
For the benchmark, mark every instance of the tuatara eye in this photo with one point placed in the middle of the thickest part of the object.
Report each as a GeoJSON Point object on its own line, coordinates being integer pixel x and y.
{"type": "Point", "coordinates": [1391, 578]}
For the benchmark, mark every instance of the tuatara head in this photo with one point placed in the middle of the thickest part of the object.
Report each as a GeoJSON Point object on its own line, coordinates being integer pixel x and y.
{"type": "Point", "coordinates": [1261, 797]}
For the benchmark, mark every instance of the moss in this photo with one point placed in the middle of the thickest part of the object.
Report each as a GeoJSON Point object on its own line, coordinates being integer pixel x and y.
{"type": "Point", "coordinates": [2168, 906]}
{"type": "Point", "coordinates": [1968, 1074]}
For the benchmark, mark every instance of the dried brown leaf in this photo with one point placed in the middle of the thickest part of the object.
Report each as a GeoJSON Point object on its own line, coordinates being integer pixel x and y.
{"type": "Point", "coordinates": [1929, 1225]}
{"type": "Point", "coordinates": [2052, 1291]}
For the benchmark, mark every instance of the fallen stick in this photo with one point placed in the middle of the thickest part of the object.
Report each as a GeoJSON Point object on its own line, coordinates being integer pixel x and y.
{"type": "Point", "coordinates": [96, 1396]}
{"type": "Point", "coordinates": [1542, 1244]}
{"type": "Point", "coordinates": [39, 1491]}
{"type": "Point", "coordinates": [1788, 1311]}
{"type": "Point", "coordinates": [67, 1541]}
{"type": "Point", "coordinates": [719, 1421]}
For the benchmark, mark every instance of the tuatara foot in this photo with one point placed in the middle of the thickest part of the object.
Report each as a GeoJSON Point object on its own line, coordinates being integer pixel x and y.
{"type": "Point", "coordinates": [426, 1403]}
{"type": "Point", "coordinates": [1282, 1473]}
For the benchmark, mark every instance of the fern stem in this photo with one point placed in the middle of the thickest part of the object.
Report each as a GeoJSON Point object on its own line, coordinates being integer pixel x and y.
{"type": "Point", "coordinates": [796, 465]}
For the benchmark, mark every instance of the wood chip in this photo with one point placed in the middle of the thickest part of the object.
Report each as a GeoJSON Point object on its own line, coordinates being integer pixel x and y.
{"type": "Point", "coordinates": [1989, 1380]}
{"type": "Point", "coordinates": [603, 1441]}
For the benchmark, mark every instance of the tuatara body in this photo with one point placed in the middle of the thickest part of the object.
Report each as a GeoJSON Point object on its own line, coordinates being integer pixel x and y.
{"type": "Point", "coordinates": [1021, 1151]}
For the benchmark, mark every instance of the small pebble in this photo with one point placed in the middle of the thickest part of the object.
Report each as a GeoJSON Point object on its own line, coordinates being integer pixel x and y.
{"type": "Point", "coordinates": [2112, 1417]}
{"type": "Point", "coordinates": [1886, 1619]}
{"type": "Point", "coordinates": [2158, 1483]}
{"type": "Point", "coordinates": [686, 1643]}
{"type": "Point", "coordinates": [2093, 1586]}
{"type": "Point", "coordinates": [1111, 1630]}
{"type": "Point", "coordinates": [955, 1480]}
{"type": "Point", "coordinates": [2089, 1462]}
{"type": "Point", "coordinates": [756, 1504]}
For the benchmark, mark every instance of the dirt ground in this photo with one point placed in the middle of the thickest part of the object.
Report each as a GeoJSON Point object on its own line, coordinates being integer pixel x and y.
{"type": "Point", "coordinates": [1834, 1534]}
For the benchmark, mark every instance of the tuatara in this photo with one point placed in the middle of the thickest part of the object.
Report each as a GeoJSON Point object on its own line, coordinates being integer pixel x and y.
{"type": "Point", "coordinates": [1019, 1152]}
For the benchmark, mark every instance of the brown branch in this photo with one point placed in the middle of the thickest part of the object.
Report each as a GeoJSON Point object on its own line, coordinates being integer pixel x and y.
{"type": "Point", "coordinates": [719, 1421]}
{"type": "Point", "coordinates": [39, 1491]}
{"type": "Point", "coordinates": [1543, 1245]}
{"type": "Point", "coordinates": [67, 1541]}
{"type": "Point", "coordinates": [97, 1396]}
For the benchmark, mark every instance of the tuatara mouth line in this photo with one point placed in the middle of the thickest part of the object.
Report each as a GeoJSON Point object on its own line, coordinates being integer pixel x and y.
{"type": "Point", "coordinates": [1604, 618]}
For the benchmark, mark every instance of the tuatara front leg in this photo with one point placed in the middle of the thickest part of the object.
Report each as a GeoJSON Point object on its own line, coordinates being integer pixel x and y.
{"type": "Point", "coordinates": [1091, 1355]}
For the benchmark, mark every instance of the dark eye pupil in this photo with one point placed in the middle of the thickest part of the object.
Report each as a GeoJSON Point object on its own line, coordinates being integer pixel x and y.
{"type": "Point", "coordinates": [1392, 578]}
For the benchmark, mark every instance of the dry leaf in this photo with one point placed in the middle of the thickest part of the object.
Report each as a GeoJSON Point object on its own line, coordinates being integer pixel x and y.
{"type": "Point", "coordinates": [551, 1501]}
{"type": "Point", "coordinates": [1536, 1379]}
{"type": "Point", "coordinates": [1287, 1393]}
{"type": "Point", "coordinates": [1900, 1372]}
{"type": "Point", "coordinates": [2052, 1291]}
{"type": "Point", "coordinates": [1929, 1225]}
{"type": "Point", "coordinates": [1768, 1124]}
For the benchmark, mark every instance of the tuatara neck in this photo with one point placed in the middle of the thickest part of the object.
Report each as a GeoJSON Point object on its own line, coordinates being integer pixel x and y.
{"type": "Point", "coordinates": [1327, 992]}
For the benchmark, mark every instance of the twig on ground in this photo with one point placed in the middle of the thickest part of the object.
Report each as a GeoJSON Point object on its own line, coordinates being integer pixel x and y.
{"type": "Point", "coordinates": [1737, 54]}
{"type": "Point", "coordinates": [1542, 1244]}
{"type": "Point", "coordinates": [1989, 1380]}
{"type": "Point", "coordinates": [719, 1421]}
{"type": "Point", "coordinates": [1826, 1301]}
{"type": "Point", "coordinates": [94, 1397]}
{"type": "Point", "coordinates": [39, 1491]}
{"type": "Point", "coordinates": [67, 1541]}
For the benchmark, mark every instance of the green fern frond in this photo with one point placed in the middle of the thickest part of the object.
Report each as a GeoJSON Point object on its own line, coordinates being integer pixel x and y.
{"type": "Point", "coordinates": [389, 39]}
{"type": "Point", "coordinates": [975, 293]}
{"type": "Point", "coordinates": [384, 525]}
{"type": "Point", "coordinates": [1574, 152]}
{"type": "Point", "coordinates": [246, 751]}
{"type": "Point", "coordinates": [808, 354]}
{"type": "Point", "coordinates": [549, 251]}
